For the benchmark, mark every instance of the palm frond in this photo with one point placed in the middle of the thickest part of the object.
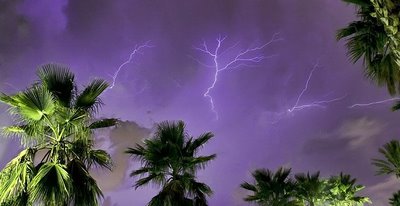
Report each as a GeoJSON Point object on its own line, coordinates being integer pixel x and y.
{"type": "Point", "coordinates": [391, 164]}
{"type": "Point", "coordinates": [160, 200]}
{"type": "Point", "coordinates": [141, 171]}
{"type": "Point", "coordinates": [199, 191]}
{"type": "Point", "coordinates": [248, 186]}
{"type": "Point", "coordinates": [59, 81]}
{"type": "Point", "coordinates": [99, 158]}
{"type": "Point", "coordinates": [199, 141]}
{"type": "Point", "coordinates": [103, 123]}
{"type": "Point", "coordinates": [139, 150]}
{"type": "Point", "coordinates": [32, 103]}
{"type": "Point", "coordinates": [15, 177]}
{"type": "Point", "coordinates": [51, 185]}
{"type": "Point", "coordinates": [396, 106]}
{"type": "Point", "coordinates": [200, 162]}
{"type": "Point", "coordinates": [89, 99]}
{"type": "Point", "coordinates": [85, 191]}
{"type": "Point", "coordinates": [146, 180]}
{"type": "Point", "coordinates": [29, 134]}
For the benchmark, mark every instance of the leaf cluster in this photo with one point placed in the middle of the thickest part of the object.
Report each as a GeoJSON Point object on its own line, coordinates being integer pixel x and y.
{"type": "Point", "coordinates": [374, 37]}
{"type": "Point", "coordinates": [281, 189]}
{"type": "Point", "coordinates": [54, 118]}
{"type": "Point", "coordinates": [170, 159]}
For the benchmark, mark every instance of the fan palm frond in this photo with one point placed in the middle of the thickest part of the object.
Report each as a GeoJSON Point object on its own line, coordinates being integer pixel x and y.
{"type": "Point", "coordinates": [391, 163]}
{"type": "Point", "coordinates": [89, 99]}
{"type": "Point", "coordinates": [51, 185]}
{"type": "Point", "coordinates": [59, 81]}
{"type": "Point", "coordinates": [103, 123]}
{"type": "Point", "coordinates": [85, 190]}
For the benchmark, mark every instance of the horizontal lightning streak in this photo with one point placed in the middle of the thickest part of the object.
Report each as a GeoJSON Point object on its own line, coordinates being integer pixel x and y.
{"type": "Point", "coordinates": [374, 103]}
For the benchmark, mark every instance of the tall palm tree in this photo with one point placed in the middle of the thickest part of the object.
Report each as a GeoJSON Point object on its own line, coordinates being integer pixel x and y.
{"type": "Point", "coordinates": [310, 189]}
{"type": "Point", "coordinates": [391, 163]}
{"type": "Point", "coordinates": [271, 189]}
{"type": "Point", "coordinates": [342, 191]}
{"type": "Point", "coordinates": [169, 159]}
{"type": "Point", "coordinates": [54, 121]}
{"type": "Point", "coordinates": [374, 37]}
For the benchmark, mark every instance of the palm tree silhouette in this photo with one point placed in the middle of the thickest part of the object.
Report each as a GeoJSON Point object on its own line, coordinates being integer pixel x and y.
{"type": "Point", "coordinates": [272, 189]}
{"type": "Point", "coordinates": [169, 159]}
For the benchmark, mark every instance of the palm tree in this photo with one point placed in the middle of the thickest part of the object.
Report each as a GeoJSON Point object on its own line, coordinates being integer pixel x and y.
{"type": "Point", "coordinates": [271, 189]}
{"type": "Point", "coordinates": [310, 189]}
{"type": "Point", "coordinates": [391, 164]}
{"type": "Point", "coordinates": [169, 159]}
{"type": "Point", "coordinates": [342, 191]}
{"type": "Point", "coordinates": [395, 200]}
{"type": "Point", "coordinates": [54, 123]}
{"type": "Point", "coordinates": [375, 39]}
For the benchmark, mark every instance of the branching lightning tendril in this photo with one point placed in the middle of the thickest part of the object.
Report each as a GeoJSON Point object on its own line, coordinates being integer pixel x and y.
{"type": "Point", "coordinates": [319, 103]}
{"type": "Point", "coordinates": [243, 58]}
{"type": "Point", "coordinates": [374, 103]}
{"type": "Point", "coordinates": [136, 50]}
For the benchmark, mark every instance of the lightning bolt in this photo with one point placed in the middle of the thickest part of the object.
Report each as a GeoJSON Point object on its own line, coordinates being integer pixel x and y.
{"type": "Point", "coordinates": [136, 50]}
{"type": "Point", "coordinates": [374, 103]}
{"type": "Point", "coordinates": [278, 116]}
{"type": "Point", "coordinates": [319, 103]}
{"type": "Point", "coordinates": [247, 57]}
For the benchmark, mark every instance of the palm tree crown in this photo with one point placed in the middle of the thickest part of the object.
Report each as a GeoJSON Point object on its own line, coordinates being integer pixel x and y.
{"type": "Point", "coordinates": [342, 191]}
{"type": "Point", "coordinates": [375, 38]}
{"type": "Point", "coordinates": [310, 189]}
{"type": "Point", "coordinates": [54, 123]}
{"type": "Point", "coordinates": [279, 189]}
{"type": "Point", "coordinates": [169, 159]}
{"type": "Point", "coordinates": [272, 189]}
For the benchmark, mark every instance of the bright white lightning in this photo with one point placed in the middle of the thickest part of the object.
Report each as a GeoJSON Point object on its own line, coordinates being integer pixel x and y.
{"type": "Point", "coordinates": [278, 116]}
{"type": "Point", "coordinates": [238, 60]}
{"type": "Point", "coordinates": [374, 103]}
{"type": "Point", "coordinates": [319, 103]}
{"type": "Point", "coordinates": [136, 50]}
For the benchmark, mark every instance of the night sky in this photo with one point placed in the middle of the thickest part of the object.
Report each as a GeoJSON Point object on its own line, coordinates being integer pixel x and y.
{"type": "Point", "coordinates": [167, 82]}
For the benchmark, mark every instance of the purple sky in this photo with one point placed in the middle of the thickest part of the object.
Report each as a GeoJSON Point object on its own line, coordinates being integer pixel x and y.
{"type": "Point", "coordinates": [254, 130]}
